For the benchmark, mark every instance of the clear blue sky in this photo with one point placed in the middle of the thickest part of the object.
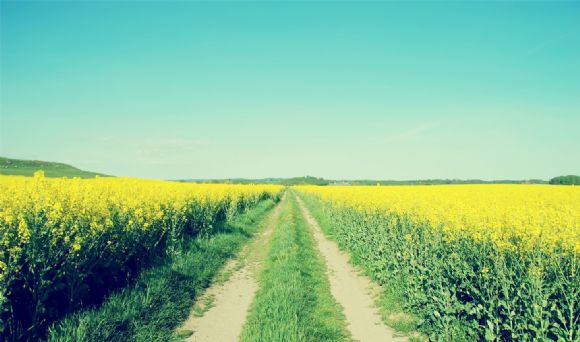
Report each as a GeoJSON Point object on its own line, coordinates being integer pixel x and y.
{"type": "Point", "coordinates": [332, 89]}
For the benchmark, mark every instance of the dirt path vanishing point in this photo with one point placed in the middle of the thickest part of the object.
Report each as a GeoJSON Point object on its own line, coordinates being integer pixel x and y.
{"type": "Point", "coordinates": [227, 303]}
{"type": "Point", "coordinates": [350, 289]}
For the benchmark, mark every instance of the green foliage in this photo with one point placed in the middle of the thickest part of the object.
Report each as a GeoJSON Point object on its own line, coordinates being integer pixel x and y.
{"type": "Point", "coordinates": [51, 281]}
{"type": "Point", "coordinates": [308, 180]}
{"type": "Point", "coordinates": [51, 169]}
{"type": "Point", "coordinates": [566, 180]}
{"type": "Point", "coordinates": [294, 302]}
{"type": "Point", "coordinates": [162, 296]}
{"type": "Point", "coordinates": [464, 289]}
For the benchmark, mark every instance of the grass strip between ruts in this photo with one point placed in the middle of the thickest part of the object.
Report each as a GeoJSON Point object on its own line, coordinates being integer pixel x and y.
{"type": "Point", "coordinates": [294, 302]}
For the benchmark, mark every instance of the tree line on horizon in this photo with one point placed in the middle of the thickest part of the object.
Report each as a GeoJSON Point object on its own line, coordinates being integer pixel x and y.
{"type": "Point", "coordinates": [309, 180]}
{"type": "Point", "coordinates": [566, 180]}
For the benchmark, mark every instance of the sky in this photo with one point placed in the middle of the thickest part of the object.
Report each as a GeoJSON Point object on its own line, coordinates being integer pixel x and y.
{"type": "Point", "coordinates": [341, 90]}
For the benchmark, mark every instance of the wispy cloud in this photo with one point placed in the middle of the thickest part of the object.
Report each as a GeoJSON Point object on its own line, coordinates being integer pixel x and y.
{"type": "Point", "coordinates": [549, 43]}
{"type": "Point", "coordinates": [173, 144]}
{"type": "Point", "coordinates": [169, 151]}
{"type": "Point", "coordinates": [413, 133]}
{"type": "Point", "coordinates": [416, 131]}
{"type": "Point", "coordinates": [156, 150]}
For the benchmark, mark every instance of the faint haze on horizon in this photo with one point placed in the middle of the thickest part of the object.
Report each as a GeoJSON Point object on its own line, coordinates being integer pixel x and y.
{"type": "Point", "coordinates": [340, 90]}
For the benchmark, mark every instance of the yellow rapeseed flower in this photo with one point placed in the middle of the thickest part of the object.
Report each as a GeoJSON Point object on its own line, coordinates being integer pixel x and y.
{"type": "Point", "coordinates": [513, 216]}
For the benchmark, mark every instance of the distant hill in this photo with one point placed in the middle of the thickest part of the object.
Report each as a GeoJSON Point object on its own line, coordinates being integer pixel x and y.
{"type": "Point", "coordinates": [51, 169]}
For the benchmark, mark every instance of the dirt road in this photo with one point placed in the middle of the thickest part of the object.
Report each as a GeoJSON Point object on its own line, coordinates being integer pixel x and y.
{"type": "Point", "coordinates": [351, 289]}
{"type": "Point", "coordinates": [225, 304]}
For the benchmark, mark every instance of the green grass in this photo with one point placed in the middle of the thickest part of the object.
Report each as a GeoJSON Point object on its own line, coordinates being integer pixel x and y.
{"type": "Point", "coordinates": [390, 303]}
{"type": "Point", "coordinates": [294, 302]}
{"type": "Point", "coordinates": [200, 309]}
{"type": "Point", "coordinates": [51, 169]}
{"type": "Point", "coordinates": [163, 296]}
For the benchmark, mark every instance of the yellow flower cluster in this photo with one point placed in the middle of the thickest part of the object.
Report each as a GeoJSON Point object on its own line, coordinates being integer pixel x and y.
{"type": "Point", "coordinates": [513, 216]}
{"type": "Point", "coordinates": [62, 217]}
